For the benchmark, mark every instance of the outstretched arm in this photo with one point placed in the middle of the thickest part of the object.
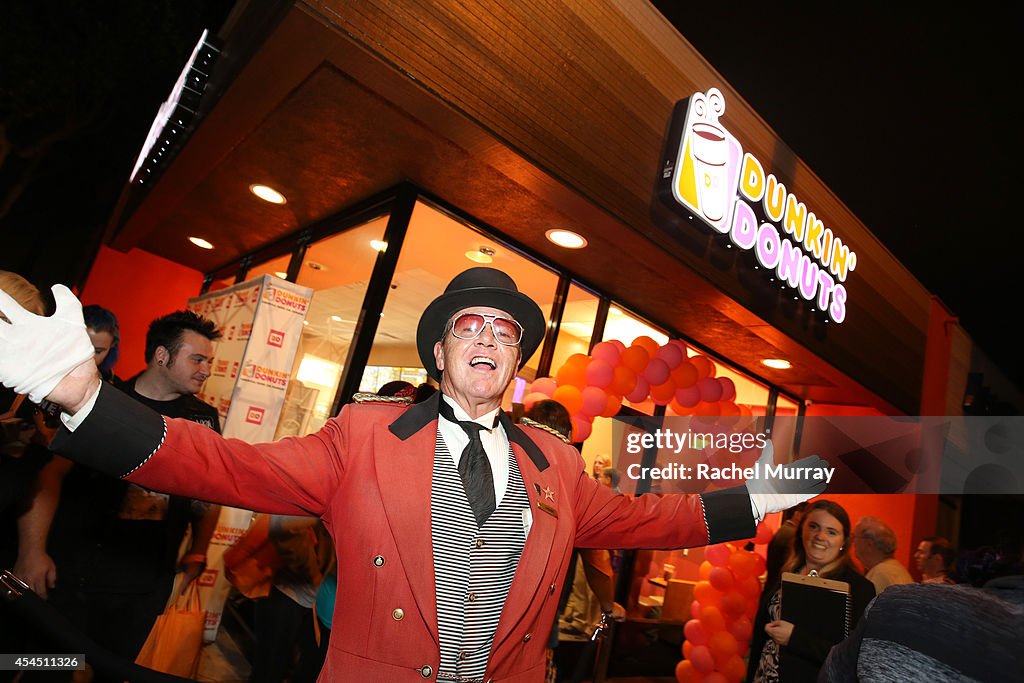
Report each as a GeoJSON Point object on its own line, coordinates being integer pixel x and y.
{"type": "Point", "coordinates": [34, 564]}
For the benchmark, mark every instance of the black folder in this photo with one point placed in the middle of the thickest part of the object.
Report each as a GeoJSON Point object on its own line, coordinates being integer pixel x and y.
{"type": "Point", "coordinates": [822, 605]}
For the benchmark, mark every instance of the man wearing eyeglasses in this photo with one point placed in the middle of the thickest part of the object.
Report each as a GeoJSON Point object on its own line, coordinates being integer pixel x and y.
{"type": "Point", "coordinates": [454, 526]}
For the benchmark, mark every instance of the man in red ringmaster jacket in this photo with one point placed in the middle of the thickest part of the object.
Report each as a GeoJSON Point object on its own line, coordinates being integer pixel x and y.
{"type": "Point", "coordinates": [453, 525]}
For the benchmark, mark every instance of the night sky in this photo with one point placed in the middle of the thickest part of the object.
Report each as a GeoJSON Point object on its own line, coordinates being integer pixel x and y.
{"type": "Point", "coordinates": [907, 117]}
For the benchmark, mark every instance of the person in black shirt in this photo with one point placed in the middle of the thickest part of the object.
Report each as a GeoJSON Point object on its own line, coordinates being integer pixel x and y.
{"type": "Point", "coordinates": [103, 550]}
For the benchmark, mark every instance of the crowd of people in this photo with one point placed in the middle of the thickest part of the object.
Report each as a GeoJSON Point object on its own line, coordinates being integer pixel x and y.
{"type": "Point", "coordinates": [435, 490]}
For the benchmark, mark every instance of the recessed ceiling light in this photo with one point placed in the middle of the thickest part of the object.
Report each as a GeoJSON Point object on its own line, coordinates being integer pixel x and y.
{"type": "Point", "coordinates": [336, 318]}
{"type": "Point", "coordinates": [200, 242]}
{"type": "Point", "coordinates": [267, 194]}
{"type": "Point", "coordinates": [777, 363]}
{"type": "Point", "coordinates": [281, 274]}
{"type": "Point", "coordinates": [566, 238]}
{"type": "Point", "coordinates": [481, 255]}
{"type": "Point", "coordinates": [379, 245]}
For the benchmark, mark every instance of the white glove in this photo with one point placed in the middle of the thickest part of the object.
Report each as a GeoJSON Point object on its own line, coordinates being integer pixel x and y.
{"type": "Point", "coordinates": [36, 352]}
{"type": "Point", "coordinates": [775, 494]}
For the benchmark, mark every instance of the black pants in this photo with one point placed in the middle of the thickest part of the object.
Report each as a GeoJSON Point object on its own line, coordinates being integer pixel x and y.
{"type": "Point", "coordinates": [283, 628]}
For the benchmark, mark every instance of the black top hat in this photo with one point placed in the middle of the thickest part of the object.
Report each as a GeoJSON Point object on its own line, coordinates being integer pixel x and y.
{"type": "Point", "coordinates": [478, 287]}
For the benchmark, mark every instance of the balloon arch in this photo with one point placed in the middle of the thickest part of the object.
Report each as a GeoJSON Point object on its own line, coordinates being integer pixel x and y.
{"type": "Point", "coordinates": [726, 596]}
{"type": "Point", "coordinates": [596, 385]}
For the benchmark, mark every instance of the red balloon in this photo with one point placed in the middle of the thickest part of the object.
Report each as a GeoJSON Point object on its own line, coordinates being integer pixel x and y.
{"type": "Point", "coordinates": [695, 609]}
{"type": "Point", "coordinates": [624, 380]}
{"type": "Point", "coordinates": [662, 393]}
{"type": "Point", "coordinates": [702, 659]}
{"type": "Point", "coordinates": [696, 633]}
{"type": "Point", "coordinates": [656, 372]}
{"type": "Point", "coordinates": [717, 555]}
{"type": "Point", "coordinates": [715, 676]}
{"type": "Point", "coordinates": [545, 385]}
{"type": "Point", "coordinates": [730, 413]}
{"type": "Point", "coordinates": [684, 375]}
{"type": "Point", "coordinates": [647, 344]}
{"type": "Point", "coordinates": [764, 533]}
{"type": "Point", "coordinates": [742, 629]}
{"type": "Point", "coordinates": [599, 374]}
{"type": "Point", "coordinates": [570, 397]}
{"type": "Point", "coordinates": [671, 354]}
{"type": "Point", "coordinates": [734, 604]}
{"type": "Point", "coordinates": [635, 358]}
{"type": "Point", "coordinates": [606, 351]}
{"type": "Point", "coordinates": [728, 388]}
{"type": "Point", "coordinates": [705, 368]}
{"type": "Point", "coordinates": [581, 428]}
{"type": "Point", "coordinates": [688, 397]}
{"type": "Point", "coordinates": [710, 389]}
{"type": "Point", "coordinates": [687, 649]}
{"type": "Point", "coordinates": [749, 586]}
{"type": "Point", "coordinates": [759, 565]}
{"type": "Point", "coordinates": [594, 401]}
{"type": "Point", "coordinates": [639, 393]}
{"type": "Point", "coordinates": [721, 578]}
{"type": "Point", "coordinates": [674, 406]}
{"type": "Point", "coordinates": [742, 563]}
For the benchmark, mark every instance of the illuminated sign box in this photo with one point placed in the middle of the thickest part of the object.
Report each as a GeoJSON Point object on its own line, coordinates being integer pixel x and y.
{"type": "Point", "coordinates": [707, 176]}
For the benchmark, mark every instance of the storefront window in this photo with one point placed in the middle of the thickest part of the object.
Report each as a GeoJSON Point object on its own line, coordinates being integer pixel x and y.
{"type": "Point", "coordinates": [577, 326]}
{"type": "Point", "coordinates": [338, 270]}
{"type": "Point", "coordinates": [278, 267]}
{"type": "Point", "coordinates": [436, 249]}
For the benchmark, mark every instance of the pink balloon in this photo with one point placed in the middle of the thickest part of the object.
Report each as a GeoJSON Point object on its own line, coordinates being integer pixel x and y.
{"type": "Point", "coordinates": [721, 578]}
{"type": "Point", "coordinates": [594, 401]}
{"type": "Point", "coordinates": [715, 677]}
{"type": "Point", "coordinates": [532, 398]}
{"type": "Point", "coordinates": [688, 397]}
{"type": "Point", "coordinates": [606, 351]}
{"type": "Point", "coordinates": [728, 388]}
{"type": "Point", "coordinates": [600, 373]}
{"type": "Point", "coordinates": [671, 354]}
{"type": "Point", "coordinates": [545, 385]}
{"type": "Point", "coordinates": [702, 660]}
{"type": "Point", "coordinates": [710, 389]}
{"type": "Point", "coordinates": [742, 629]}
{"type": "Point", "coordinates": [695, 609]}
{"type": "Point", "coordinates": [640, 391]}
{"type": "Point", "coordinates": [717, 555]}
{"type": "Point", "coordinates": [656, 371]}
{"type": "Point", "coordinates": [734, 604]}
{"type": "Point", "coordinates": [581, 428]}
{"type": "Point", "coordinates": [617, 344]}
{"type": "Point", "coordinates": [696, 633]}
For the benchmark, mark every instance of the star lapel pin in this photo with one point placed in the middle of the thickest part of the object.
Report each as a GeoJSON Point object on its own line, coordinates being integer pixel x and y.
{"type": "Point", "coordinates": [546, 494]}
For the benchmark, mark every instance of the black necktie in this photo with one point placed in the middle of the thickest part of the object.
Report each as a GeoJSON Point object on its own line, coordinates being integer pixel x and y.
{"type": "Point", "coordinates": [474, 468]}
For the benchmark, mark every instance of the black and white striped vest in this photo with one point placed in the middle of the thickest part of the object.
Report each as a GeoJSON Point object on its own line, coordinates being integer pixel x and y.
{"type": "Point", "coordinates": [473, 566]}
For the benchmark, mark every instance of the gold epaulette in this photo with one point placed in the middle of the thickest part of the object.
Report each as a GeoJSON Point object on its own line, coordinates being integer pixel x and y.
{"type": "Point", "coordinates": [365, 397]}
{"type": "Point", "coordinates": [544, 428]}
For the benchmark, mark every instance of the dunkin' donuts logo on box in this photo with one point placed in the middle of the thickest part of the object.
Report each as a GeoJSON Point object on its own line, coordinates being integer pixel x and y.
{"type": "Point", "coordinates": [706, 173]}
{"type": "Point", "coordinates": [275, 338]}
{"type": "Point", "coordinates": [268, 377]}
{"type": "Point", "coordinates": [280, 298]}
{"type": "Point", "coordinates": [254, 415]}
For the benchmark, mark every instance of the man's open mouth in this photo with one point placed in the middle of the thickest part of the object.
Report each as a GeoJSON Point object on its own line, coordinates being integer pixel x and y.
{"type": "Point", "coordinates": [483, 360]}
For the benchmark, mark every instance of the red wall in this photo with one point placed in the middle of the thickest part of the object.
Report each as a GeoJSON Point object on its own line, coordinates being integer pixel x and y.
{"type": "Point", "coordinates": [138, 287]}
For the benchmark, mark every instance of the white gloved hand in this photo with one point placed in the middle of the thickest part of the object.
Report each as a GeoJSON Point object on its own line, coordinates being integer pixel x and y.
{"type": "Point", "coordinates": [36, 352]}
{"type": "Point", "coordinates": [775, 494]}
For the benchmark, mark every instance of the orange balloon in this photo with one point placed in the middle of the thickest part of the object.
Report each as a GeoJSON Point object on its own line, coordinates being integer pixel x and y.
{"type": "Point", "coordinates": [706, 594]}
{"type": "Point", "coordinates": [635, 358]}
{"type": "Point", "coordinates": [687, 649]}
{"type": "Point", "coordinates": [764, 533]}
{"type": "Point", "coordinates": [742, 563]}
{"type": "Point", "coordinates": [679, 409]}
{"type": "Point", "coordinates": [647, 344]}
{"type": "Point", "coordinates": [572, 374]}
{"type": "Point", "coordinates": [712, 619]}
{"type": "Point", "coordinates": [722, 645]}
{"type": "Point", "coordinates": [684, 375]}
{"type": "Point", "coordinates": [735, 669]}
{"type": "Point", "coordinates": [685, 673]}
{"type": "Point", "coordinates": [663, 393]}
{"type": "Point", "coordinates": [704, 570]}
{"type": "Point", "coordinates": [612, 407]}
{"type": "Point", "coordinates": [705, 368]}
{"type": "Point", "coordinates": [570, 397]}
{"type": "Point", "coordinates": [749, 586]}
{"type": "Point", "coordinates": [623, 381]}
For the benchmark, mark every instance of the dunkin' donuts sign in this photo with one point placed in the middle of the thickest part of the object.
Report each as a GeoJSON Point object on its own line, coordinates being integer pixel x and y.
{"type": "Point", "coordinates": [707, 174]}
